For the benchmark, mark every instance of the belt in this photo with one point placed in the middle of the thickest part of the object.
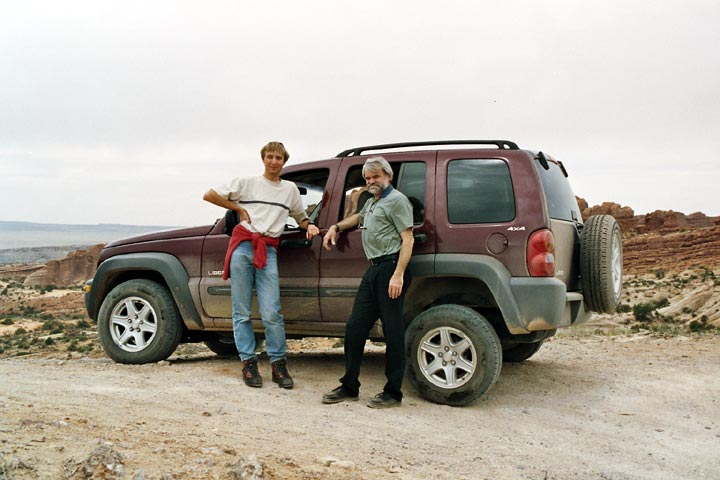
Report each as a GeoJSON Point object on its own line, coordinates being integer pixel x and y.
{"type": "Point", "coordinates": [384, 258]}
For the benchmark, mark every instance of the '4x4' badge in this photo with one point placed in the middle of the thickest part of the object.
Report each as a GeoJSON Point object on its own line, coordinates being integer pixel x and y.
{"type": "Point", "coordinates": [516, 229]}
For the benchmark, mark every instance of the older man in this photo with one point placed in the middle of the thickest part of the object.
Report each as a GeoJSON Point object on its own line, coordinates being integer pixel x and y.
{"type": "Point", "coordinates": [386, 221]}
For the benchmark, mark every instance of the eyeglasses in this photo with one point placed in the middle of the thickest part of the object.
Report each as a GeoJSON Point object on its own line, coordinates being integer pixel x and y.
{"type": "Point", "coordinates": [371, 209]}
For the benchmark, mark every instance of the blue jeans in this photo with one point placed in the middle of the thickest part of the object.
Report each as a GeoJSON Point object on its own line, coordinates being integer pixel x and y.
{"type": "Point", "coordinates": [243, 275]}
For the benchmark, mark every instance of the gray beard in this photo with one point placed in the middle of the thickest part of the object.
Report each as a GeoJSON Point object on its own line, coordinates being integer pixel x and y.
{"type": "Point", "coordinates": [376, 189]}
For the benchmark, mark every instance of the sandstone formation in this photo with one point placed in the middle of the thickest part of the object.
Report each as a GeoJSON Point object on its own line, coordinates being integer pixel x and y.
{"type": "Point", "coordinates": [19, 272]}
{"type": "Point", "coordinates": [77, 267]}
{"type": "Point", "coordinates": [663, 240]}
{"type": "Point", "coordinates": [701, 301]}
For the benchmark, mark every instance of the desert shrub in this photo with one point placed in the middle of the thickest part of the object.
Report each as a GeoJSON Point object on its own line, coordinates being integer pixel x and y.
{"type": "Point", "coordinates": [29, 310]}
{"type": "Point", "coordinates": [663, 302]}
{"type": "Point", "coordinates": [54, 326]}
{"type": "Point", "coordinates": [49, 341]}
{"type": "Point", "coordinates": [699, 326]}
{"type": "Point", "coordinates": [20, 331]}
{"type": "Point", "coordinates": [5, 291]}
{"type": "Point", "coordinates": [623, 308]}
{"type": "Point", "coordinates": [83, 324]}
{"type": "Point", "coordinates": [643, 312]}
{"type": "Point", "coordinates": [8, 321]}
{"type": "Point", "coordinates": [659, 273]}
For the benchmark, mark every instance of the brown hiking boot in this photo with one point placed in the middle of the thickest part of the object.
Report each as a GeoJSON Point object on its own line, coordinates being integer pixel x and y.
{"type": "Point", "coordinates": [250, 373]}
{"type": "Point", "coordinates": [280, 374]}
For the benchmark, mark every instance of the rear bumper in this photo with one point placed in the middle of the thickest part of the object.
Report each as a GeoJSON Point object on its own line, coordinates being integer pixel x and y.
{"type": "Point", "coordinates": [545, 304]}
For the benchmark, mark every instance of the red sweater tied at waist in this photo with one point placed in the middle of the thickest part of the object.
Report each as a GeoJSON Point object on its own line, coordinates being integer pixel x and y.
{"type": "Point", "coordinates": [259, 242]}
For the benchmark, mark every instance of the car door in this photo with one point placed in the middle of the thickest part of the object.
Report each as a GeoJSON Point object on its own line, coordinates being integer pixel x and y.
{"type": "Point", "coordinates": [298, 261]}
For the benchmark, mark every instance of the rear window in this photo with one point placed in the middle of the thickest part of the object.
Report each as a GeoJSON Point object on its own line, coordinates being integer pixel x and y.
{"type": "Point", "coordinates": [479, 191]}
{"type": "Point", "coordinates": [561, 202]}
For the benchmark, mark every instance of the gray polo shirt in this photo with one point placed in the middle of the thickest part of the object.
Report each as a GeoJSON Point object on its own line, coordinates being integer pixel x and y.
{"type": "Point", "coordinates": [382, 220]}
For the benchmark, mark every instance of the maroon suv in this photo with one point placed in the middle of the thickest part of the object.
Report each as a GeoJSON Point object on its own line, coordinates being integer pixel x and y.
{"type": "Point", "coordinates": [501, 260]}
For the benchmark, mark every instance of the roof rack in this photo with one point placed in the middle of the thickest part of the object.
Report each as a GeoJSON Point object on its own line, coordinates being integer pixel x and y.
{"type": "Point", "coordinates": [501, 144]}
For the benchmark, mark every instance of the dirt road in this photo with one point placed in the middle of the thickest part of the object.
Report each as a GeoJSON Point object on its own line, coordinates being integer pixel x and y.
{"type": "Point", "coordinates": [620, 407]}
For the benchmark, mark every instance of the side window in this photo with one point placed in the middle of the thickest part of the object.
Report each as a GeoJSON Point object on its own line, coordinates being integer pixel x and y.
{"type": "Point", "coordinates": [312, 188]}
{"type": "Point", "coordinates": [356, 193]}
{"type": "Point", "coordinates": [479, 191]}
{"type": "Point", "coordinates": [408, 177]}
{"type": "Point", "coordinates": [411, 182]}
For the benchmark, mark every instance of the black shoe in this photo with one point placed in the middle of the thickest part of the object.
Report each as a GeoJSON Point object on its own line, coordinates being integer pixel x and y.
{"type": "Point", "coordinates": [280, 374]}
{"type": "Point", "coordinates": [383, 400]}
{"type": "Point", "coordinates": [339, 395]}
{"type": "Point", "coordinates": [250, 373]}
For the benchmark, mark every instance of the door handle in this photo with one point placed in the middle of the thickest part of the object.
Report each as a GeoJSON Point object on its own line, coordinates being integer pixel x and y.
{"type": "Point", "coordinates": [295, 243]}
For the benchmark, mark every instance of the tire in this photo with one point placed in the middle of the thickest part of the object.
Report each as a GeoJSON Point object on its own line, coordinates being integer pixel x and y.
{"type": "Point", "coordinates": [601, 263]}
{"type": "Point", "coordinates": [467, 339]}
{"type": "Point", "coordinates": [223, 345]}
{"type": "Point", "coordinates": [139, 323]}
{"type": "Point", "coordinates": [521, 351]}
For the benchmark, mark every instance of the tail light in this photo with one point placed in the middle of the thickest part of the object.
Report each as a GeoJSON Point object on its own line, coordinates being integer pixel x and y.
{"type": "Point", "coordinates": [541, 254]}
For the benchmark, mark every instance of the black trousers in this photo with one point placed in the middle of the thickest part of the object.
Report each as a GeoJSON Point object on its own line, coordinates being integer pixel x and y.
{"type": "Point", "coordinates": [373, 302]}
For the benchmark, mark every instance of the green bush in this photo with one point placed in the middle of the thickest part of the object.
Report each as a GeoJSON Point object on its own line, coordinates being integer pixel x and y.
{"type": "Point", "coordinates": [54, 326]}
{"type": "Point", "coordinates": [83, 324]}
{"type": "Point", "coordinates": [699, 326]}
{"type": "Point", "coordinates": [623, 308]}
{"type": "Point", "coordinates": [663, 302]}
{"type": "Point", "coordinates": [643, 312]}
{"type": "Point", "coordinates": [8, 321]}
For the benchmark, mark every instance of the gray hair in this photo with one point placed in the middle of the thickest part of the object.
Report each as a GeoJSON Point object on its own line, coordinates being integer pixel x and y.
{"type": "Point", "coordinates": [373, 163]}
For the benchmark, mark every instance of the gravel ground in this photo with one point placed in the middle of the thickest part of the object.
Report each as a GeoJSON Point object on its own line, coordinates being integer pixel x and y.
{"type": "Point", "coordinates": [608, 407]}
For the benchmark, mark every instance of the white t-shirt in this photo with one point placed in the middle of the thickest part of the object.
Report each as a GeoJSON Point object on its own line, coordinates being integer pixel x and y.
{"type": "Point", "coordinates": [268, 203]}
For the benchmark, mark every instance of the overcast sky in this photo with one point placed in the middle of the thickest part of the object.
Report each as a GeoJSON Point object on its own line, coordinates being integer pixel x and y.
{"type": "Point", "coordinates": [128, 111]}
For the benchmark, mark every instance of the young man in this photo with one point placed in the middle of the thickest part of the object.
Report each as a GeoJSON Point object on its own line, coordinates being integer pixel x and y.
{"type": "Point", "coordinates": [263, 204]}
{"type": "Point", "coordinates": [386, 220]}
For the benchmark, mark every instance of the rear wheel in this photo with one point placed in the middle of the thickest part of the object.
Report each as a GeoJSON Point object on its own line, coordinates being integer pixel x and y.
{"type": "Point", "coordinates": [138, 322]}
{"type": "Point", "coordinates": [223, 345]}
{"type": "Point", "coordinates": [520, 351]}
{"type": "Point", "coordinates": [454, 354]}
{"type": "Point", "coordinates": [601, 263]}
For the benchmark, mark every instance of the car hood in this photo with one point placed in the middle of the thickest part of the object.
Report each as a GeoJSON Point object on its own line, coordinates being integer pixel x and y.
{"type": "Point", "coordinates": [163, 235]}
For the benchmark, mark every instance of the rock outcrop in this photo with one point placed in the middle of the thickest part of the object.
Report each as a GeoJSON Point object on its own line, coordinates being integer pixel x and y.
{"type": "Point", "coordinates": [663, 240]}
{"type": "Point", "coordinates": [75, 268]}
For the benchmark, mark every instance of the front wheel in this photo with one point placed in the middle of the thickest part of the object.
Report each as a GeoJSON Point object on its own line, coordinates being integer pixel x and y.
{"type": "Point", "coordinates": [139, 323]}
{"type": "Point", "coordinates": [454, 354]}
